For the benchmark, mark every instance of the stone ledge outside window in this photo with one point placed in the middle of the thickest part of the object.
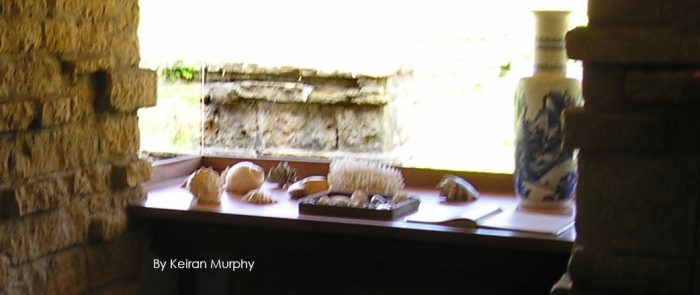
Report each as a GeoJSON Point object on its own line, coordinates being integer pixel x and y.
{"type": "Point", "coordinates": [286, 111]}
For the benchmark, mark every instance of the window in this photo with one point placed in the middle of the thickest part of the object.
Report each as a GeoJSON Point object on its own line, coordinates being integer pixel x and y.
{"type": "Point", "coordinates": [466, 59]}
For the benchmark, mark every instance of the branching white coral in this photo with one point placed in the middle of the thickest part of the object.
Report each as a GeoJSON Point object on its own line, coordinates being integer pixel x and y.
{"type": "Point", "coordinates": [349, 175]}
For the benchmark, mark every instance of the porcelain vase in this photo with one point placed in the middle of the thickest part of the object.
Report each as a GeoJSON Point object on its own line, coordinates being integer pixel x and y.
{"type": "Point", "coordinates": [545, 171]}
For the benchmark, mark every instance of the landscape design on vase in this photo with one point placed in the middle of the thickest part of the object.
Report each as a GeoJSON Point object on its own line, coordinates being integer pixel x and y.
{"type": "Point", "coordinates": [545, 171]}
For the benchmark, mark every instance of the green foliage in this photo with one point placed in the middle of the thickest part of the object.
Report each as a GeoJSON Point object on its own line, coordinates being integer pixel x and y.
{"type": "Point", "coordinates": [174, 124]}
{"type": "Point", "coordinates": [179, 72]}
{"type": "Point", "coordinates": [504, 70]}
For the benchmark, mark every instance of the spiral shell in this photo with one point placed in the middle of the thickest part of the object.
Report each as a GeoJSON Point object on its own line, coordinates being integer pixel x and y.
{"type": "Point", "coordinates": [454, 188]}
{"type": "Point", "coordinates": [282, 174]}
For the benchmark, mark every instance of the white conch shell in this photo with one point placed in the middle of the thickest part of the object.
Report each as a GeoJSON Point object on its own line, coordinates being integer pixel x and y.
{"type": "Point", "coordinates": [205, 185]}
{"type": "Point", "coordinates": [243, 177]}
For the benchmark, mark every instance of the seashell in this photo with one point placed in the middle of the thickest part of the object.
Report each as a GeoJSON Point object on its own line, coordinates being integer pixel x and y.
{"type": "Point", "coordinates": [377, 199]}
{"type": "Point", "coordinates": [349, 175]}
{"type": "Point", "coordinates": [282, 174]}
{"type": "Point", "coordinates": [359, 198]}
{"type": "Point", "coordinates": [454, 188]}
{"type": "Point", "coordinates": [340, 201]}
{"type": "Point", "coordinates": [324, 201]}
{"type": "Point", "coordinates": [356, 204]}
{"type": "Point", "coordinates": [315, 184]}
{"type": "Point", "coordinates": [308, 186]}
{"type": "Point", "coordinates": [243, 177]}
{"type": "Point", "coordinates": [205, 185]}
{"type": "Point", "coordinates": [296, 190]}
{"type": "Point", "coordinates": [258, 197]}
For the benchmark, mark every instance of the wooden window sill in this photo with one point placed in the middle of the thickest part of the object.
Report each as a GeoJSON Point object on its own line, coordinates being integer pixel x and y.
{"type": "Point", "coordinates": [167, 201]}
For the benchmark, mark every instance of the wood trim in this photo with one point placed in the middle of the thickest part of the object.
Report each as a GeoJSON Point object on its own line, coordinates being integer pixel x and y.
{"type": "Point", "coordinates": [174, 168]}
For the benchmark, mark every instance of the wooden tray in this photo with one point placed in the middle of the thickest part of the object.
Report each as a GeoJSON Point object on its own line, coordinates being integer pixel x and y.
{"type": "Point", "coordinates": [307, 205]}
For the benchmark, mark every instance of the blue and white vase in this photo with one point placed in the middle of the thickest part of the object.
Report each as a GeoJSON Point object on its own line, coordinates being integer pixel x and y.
{"type": "Point", "coordinates": [545, 171]}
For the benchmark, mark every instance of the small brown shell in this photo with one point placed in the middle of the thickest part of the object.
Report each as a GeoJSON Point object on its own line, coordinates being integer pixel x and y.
{"type": "Point", "coordinates": [258, 197]}
{"type": "Point", "coordinates": [308, 186]}
{"type": "Point", "coordinates": [282, 174]}
{"type": "Point", "coordinates": [340, 201]}
{"type": "Point", "coordinates": [324, 201]}
{"type": "Point", "coordinates": [359, 198]}
{"type": "Point", "coordinates": [454, 188]}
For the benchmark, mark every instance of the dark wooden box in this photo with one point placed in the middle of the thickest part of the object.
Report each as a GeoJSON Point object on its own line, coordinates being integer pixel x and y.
{"type": "Point", "coordinates": [307, 205]}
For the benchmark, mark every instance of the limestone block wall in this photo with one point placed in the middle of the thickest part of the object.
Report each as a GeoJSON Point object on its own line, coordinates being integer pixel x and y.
{"type": "Point", "coordinates": [639, 140]}
{"type": "Point", "coordinates": [300, 112]}
{"type": "Point", "coordinates": [69, 90]}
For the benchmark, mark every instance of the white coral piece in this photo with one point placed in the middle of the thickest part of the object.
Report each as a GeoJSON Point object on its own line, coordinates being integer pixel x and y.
{"type": "Point", "coordinates": [349, 175]}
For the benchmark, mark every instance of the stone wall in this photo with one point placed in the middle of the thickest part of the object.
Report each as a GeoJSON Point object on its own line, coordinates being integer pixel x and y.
{"type": "Point", "coordinates": [69, 90]}
{"type": "Point", "coordinates": [639, 140]}
{"type": "Point", "coordinates": [299, 112]}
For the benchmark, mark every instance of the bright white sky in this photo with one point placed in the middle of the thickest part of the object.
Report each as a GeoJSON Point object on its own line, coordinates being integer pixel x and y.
{"type": "Point", "coordinates": [344, 34]}
{"type": "Point", "coordinates": [453, 46]}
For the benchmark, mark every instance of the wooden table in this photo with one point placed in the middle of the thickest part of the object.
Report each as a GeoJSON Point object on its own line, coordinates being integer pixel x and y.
{"type": "Point", "coordinates": [425, 257]}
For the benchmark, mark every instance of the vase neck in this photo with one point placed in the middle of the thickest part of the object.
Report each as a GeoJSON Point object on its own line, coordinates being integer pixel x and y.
{"type": "Point", "coordinates": [550, 47]}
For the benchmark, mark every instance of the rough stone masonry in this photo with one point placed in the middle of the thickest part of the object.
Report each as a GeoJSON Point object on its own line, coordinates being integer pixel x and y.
{"type": "Point", "coordinates": [639, 139]}
{"type": "Point", "coordinates": [281, 111]}
{"type": "Point", "coordinates": [69, 90]}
